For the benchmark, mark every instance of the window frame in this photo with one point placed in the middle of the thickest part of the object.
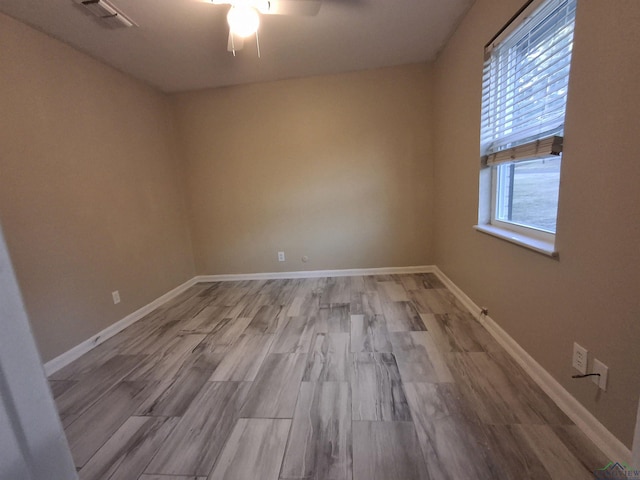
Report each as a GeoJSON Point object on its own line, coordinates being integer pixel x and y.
{"type": "Point", "coordinates": [537, 239]}
{"type": "Point", "coordinates": [526, 230]}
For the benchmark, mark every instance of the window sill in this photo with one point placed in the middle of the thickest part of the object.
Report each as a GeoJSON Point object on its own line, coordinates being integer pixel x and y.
{"type": "Point", "coordinates": [540, 246]}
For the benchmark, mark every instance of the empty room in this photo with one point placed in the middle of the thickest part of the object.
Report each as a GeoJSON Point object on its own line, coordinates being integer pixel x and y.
{"type": "Point", "coordinates": [319, 239]}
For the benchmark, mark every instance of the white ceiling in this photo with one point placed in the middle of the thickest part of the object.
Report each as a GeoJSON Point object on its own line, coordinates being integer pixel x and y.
{"type": "Point", "coordinates": [181, 44]}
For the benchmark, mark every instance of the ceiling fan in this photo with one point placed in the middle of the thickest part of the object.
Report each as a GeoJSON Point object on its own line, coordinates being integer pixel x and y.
{"type": "Point", "coordinates": [243, 16]}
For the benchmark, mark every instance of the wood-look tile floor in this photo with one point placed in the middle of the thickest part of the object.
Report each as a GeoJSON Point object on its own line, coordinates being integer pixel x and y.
{"type": "Point", "coordinates": [359, 378]}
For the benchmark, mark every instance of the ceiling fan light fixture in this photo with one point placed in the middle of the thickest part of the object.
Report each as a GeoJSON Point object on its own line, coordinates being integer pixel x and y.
{"type": "Point", "coordinates": [262, 6]}
{"type": "Point", "coordinates": [243, 20]}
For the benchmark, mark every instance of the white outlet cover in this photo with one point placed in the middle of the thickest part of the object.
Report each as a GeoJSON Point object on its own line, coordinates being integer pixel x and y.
{"type": "Point", "coordinates": [580, 358]}
{"type": "Point", "coordinates": [281, 257]}
{"type": "Point", "coordinates": [603, 370]}
{"type": "Point", "coordinates": [116, 297]}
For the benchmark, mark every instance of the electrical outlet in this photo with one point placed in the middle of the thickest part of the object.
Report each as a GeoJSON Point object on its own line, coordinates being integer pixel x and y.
{"type": "Point", "coordinates": [281, 256]}
{"type": "Point", "coordinates": [603, 370]}
{"type": "Point", "coordinates": [580, 355]}
{"type": "Point", "coordinates": [116, 297]}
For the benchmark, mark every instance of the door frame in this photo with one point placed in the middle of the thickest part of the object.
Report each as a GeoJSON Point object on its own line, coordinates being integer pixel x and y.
{"type": "Point", "coordinates": [34, 446]}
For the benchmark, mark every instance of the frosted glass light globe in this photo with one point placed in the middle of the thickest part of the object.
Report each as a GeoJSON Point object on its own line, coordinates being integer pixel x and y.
{"type": "Point", "coordinates": [243, 20]}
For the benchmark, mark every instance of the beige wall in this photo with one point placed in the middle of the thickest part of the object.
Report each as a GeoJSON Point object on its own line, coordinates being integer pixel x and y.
{"type": "Point", "coordinates": [89, 199]}
{"type": "Point", "coordinates": [337, 168]}
{"type": "Point", "coordinates": [591, 294]}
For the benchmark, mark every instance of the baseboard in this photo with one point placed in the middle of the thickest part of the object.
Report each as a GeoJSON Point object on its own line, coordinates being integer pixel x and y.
{"type": "Point", "coordinates": [69, 356]}
{"type": "Point", "coordinates": [613, 448]}
{"type": "Point", "coordinates": [635, 451]}
{"type": "Point", "coordinates": [316, 274]}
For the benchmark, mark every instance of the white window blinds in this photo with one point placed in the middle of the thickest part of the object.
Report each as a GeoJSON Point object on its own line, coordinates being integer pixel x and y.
{"type": "Point", "coordinates": [525, 81]}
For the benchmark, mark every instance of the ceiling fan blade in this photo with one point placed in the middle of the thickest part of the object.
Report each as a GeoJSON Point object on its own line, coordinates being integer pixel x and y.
{"type": "Point", "coordinates": [234, 43]}
{"type": "Point", "coordinates": [307, 8]}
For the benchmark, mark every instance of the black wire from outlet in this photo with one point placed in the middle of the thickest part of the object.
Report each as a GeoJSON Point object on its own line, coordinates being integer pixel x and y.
{"type": "Point", "coordinates": [586, 375]}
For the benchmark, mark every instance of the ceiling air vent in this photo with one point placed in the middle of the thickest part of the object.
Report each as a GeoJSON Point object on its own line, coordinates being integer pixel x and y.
{"type": "Point", "coordinates": [107, 13]}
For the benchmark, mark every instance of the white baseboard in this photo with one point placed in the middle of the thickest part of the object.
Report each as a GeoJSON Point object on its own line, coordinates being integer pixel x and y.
{"type": "Point", "coordinates": [69, 356]}
{"type": "Point", "coordinates": [315, 274]}
{"type": "Point", "coordinates": [613, 448]}
{"type": "Point", "coordinates": [635, 451]}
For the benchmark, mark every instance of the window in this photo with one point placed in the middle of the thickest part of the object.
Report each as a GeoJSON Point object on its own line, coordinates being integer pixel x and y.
{"type": "Point", "coordinates": [524, 94]}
